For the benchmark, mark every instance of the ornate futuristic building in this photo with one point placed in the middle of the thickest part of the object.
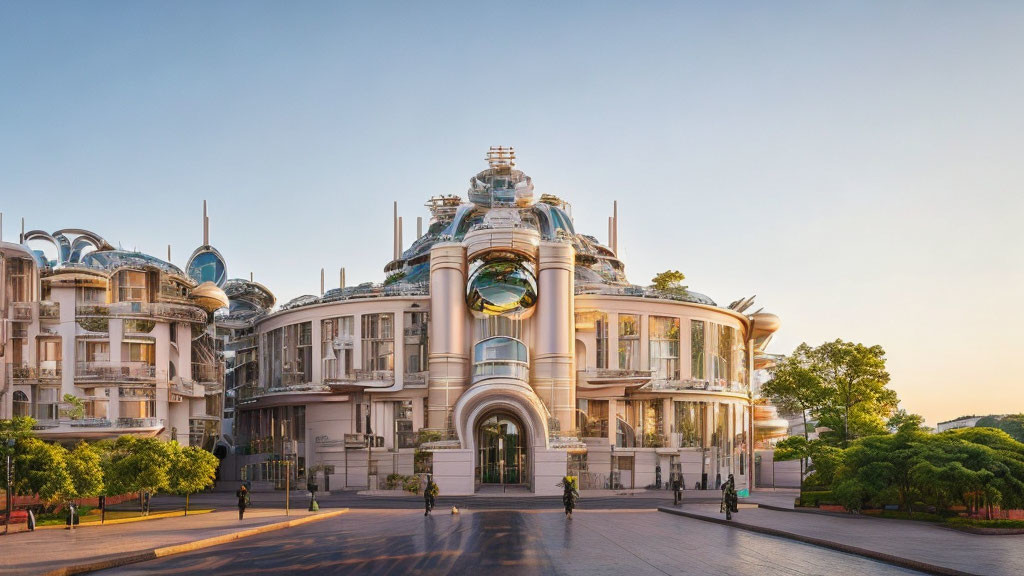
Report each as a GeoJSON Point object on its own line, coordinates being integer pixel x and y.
{"type": "Point", "coordinates": [97, 342]}
{"type": "Point", "coordinates": [503, 348]}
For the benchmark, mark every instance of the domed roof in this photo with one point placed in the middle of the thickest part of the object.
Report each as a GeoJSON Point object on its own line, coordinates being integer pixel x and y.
{"type": "Point", "coordinates": [209, 296]}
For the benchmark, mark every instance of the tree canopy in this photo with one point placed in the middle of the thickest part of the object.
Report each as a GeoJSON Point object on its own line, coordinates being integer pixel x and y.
{"type": "Point", "coordinates": [669, 281]}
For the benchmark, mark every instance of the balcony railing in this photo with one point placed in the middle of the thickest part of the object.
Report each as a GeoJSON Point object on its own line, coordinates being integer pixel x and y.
{"type": "Point", "coordinates": [375, 376]}
{"type": "Point", "coordinates": [415, 379]}
{"type": "Point", "coordinates": [106, 371]}
{"type": "Point", "coordinates": [207, 372]}
{"type": "Point", "coordinates": [49, 310]}
{"type": "Point", "coordinates": [162, 310]}
{"type": "Point", "coordinates": [21, 311]}
{"type": "Point", "coordinates": [607, 377]}
{"type": "Point", "coordinates": [501, 369]}
{"type": "Point", "coordinates": [720, 385]}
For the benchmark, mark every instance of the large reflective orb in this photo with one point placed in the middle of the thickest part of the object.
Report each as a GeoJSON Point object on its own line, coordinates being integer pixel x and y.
{"type": "Point", "coordinates": [501, 287]}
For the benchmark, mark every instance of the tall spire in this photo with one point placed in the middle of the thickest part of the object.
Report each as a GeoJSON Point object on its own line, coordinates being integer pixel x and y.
{"type": "Point", "coordinates": [206, 226]}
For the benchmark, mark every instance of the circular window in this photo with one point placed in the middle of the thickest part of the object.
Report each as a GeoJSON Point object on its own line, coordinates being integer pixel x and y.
{"type": "Point", "coordinates": [501, 287]}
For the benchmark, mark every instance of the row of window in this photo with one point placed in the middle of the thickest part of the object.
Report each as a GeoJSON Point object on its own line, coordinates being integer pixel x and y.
{"type": "Point", "coordinates": [716, 351]}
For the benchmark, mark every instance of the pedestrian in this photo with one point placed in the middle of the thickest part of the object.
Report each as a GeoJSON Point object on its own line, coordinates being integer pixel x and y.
{"type": "Point", "coordinates": [243, 500]}
{"type": "Point", "coordinates": [430, 495]}
{"type": "Point", "coordinates": [569, 494]}
{"type": "Point", "coordinates": [730, 499]}
{"type": "Point", "coordinates": [677, 490]}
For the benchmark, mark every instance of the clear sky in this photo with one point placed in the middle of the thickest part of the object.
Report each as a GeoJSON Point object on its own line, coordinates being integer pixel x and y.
{"type": "Point", "coordinates": [856, 165]}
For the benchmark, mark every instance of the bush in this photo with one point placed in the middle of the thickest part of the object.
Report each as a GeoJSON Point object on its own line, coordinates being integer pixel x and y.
{"type": "Point", "coordinates": [407, 483]}
{"type": "Point", "coordinates": [412, 484]}
{"type": "Point", "coordinates": [971, 522]}
{"type": "Point", "coordinates": [814, 499]}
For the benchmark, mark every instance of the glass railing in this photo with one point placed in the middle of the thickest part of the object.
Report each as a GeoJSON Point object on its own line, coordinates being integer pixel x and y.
{"type": "Point", "coordinates": [115, 371]}
{"type": "Point", "coordinates": [501, 369]}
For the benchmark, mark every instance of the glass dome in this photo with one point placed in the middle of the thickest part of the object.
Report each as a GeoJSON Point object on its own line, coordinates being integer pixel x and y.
{"type": "Point", "coordinates": [501, 287]}
{"type": "Point", "coordinates": [207, 265]}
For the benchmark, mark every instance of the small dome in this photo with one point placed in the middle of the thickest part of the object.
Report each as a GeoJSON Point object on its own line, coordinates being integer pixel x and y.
{"type": "Point", "coordinates": [209, 296]}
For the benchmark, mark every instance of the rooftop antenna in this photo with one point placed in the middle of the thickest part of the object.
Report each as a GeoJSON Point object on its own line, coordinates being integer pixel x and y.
{"type": "Point", "coordinates": [615, 227]}
{"type": "Point", "coordinates": [168, 253]}
{"type": "Point", "coordinates": [341, 274]}
{"type": "Point", "coordinates": [250, 276]}
{"type": "Point", "coordinates": [321, 281]}
{"type": "Point", "coordinates": [400, 243]}
{"type": "Point", "coordinates": [419, 227]}
{"type": "Point", "coordinates": [21, 239]}
{"type": "Point", "coordinates": [395, 232]}
{"type": "Point", "coordinates": [501, 157]}
{"type": "Point", "coordinates": [206, 226]}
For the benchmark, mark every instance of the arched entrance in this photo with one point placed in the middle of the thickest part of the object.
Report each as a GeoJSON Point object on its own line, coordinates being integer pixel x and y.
{"type": "Point", "coordinates": [502, 450]}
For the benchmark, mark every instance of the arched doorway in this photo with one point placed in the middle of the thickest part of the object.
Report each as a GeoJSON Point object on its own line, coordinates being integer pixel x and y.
{"type": "Point", "coordinates": [502, 450]}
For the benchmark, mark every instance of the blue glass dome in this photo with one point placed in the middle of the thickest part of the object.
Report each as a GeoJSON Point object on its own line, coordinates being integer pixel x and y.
{"type": "Point", "coordinates": [207, 265]}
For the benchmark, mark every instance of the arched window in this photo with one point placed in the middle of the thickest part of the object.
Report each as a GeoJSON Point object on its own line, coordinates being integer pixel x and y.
{"type": "Point", "coordinates": [20, 404]}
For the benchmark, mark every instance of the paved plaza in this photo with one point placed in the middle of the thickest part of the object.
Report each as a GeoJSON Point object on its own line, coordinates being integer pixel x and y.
{"type": "Point", "coordinates": [495, 542]}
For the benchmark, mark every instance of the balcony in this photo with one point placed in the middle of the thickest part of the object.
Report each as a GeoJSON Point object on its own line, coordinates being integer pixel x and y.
{"type": "Point", "coordinates": [158, 310]}
{"type": "Point", "coordinates": [719, 385]}
{"type": "Point", "coordinates": [97, 428]}
{"type": "Point", "coordinates": [501, 369]}
{"type": "Point", "coordinates": [415, 379]}
{"type": "Point", "coordinates": [187, 388]}
{"type": "Point", "coordinates": [21, 311]}
{"type": "Point", "coordinates": [604, 378]}
{"type": "Point", "coordinates": [49, 310]}
{"type": "Point", "coordinates": [362, 379]}
{"type": "Point", "coordinates": [207, 372]}
{"type": "Point", "coordinates": [108, 372]}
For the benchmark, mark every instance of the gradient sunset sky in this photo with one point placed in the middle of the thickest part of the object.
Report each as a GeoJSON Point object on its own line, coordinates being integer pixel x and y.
{"type": "Point", "coordinates": [856, 165]}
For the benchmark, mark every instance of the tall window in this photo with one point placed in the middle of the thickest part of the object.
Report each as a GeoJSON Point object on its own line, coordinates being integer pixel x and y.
{"type": "Point", "coordinates": [143, 352]}
{"type": "Point", "coordinates": [596, 322]}
{"type": "Point", "coordinates": [722, 338]}
{"type": "Point", "coordinates": [689, 425]}
{"type": "Point", "coordinates": [131, 286]}
{"type": "Point", "coordinates": [697, 349]}
{"type": "Point", "coordinates": [20, 404]}
{"type": "Point", "coordinates": [297, 354]}
{"type": "Point", "coordinates": [629, 342]}
{"type": "Point", "coordinates": [88, 296]}
{"type": "Point", "coordinates": [93, 351]}
{"type": "Point", "coordinates": [664, 347]}
{"type": "Point", "coordinates": [336, 346]}
{"type": "Point", "coordinates": [19, 279]}
{"type": "Point", "coordinates": [378, 342]}
{"type": "Point", "coordinates": [415, 342]}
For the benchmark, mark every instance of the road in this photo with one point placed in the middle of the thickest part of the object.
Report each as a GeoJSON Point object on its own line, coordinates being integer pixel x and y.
{"type": "Point", "coordinates": [520, 542]}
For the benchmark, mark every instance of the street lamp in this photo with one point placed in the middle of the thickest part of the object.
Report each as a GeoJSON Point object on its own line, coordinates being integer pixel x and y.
{"type": "Point", "coordinates": [10, 483]}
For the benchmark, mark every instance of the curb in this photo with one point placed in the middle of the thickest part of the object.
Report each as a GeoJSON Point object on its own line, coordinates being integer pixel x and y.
{"type": "Point", "coordinates": [154, 553]}
{"type": "Point", "coordinates": [872, 554]}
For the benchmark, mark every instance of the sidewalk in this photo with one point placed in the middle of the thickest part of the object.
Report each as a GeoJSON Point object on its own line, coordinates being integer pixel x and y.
{"type": "Point", "coordinates": [45, 550]}
{"type": "Point", "coordinates": [949, 551]}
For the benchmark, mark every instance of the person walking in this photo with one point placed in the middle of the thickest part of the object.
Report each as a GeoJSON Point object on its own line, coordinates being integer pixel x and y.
{"type": "Point", "coordinates": [243, 500]}
{"type": "Point", "coordinates": [677, 491]}
{"type": "Point", "coordinates": [569, 494]}
{"type": "Point", "coordinates": [430, 495]}
{"type": "Point", "coordinates": [730, 499]}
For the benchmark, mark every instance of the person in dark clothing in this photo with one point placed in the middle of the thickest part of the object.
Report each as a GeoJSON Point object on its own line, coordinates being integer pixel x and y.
{"type": "Point", "coordinates": [429, 495]}
{"type": "Point", "coordinates": [569, 494]}
{"type": "Point", "coordinates": [677, 490]}
{"type": "Point", "coordinates": [730, 499]}
{"type": "Point", "coordinates": [243, 501]}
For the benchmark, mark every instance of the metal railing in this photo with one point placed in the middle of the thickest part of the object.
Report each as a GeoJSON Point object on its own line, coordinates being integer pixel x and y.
{"type": "Point", "coordinates": [105, 371]}
{"type": "Point", "coordinates": [501, 369]}
{"type": "Point", "coordinates": [203, 372]}
{"type": "Point", "coordinates": [415, 379]}
{"type": "Point", "coordinates": [21, 311]}
{"type": "Point", "coordinates": [49, 310]}
{"type": "Point", "coordinates": [139, 422]}
{"type": "Point", "coordinates": [162, 310]}
{"type": "Point", "coordinates": [374, 375]}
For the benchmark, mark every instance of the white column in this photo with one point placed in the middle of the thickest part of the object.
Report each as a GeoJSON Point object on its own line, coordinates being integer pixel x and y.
{"type": "Point", "coordinates": [448, 357]}
{"type": "Point", "coordinates": [554, 380]}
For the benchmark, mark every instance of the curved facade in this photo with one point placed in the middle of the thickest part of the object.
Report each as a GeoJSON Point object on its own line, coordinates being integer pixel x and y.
{"type": "Point", "coordinates": [98, 342]}
{"type": "Point", "coordinates": [504, 348]}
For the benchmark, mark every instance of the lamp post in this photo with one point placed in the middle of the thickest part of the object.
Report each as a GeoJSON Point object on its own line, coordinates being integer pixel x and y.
{"type": "Point", "coordinates": [10, 483]}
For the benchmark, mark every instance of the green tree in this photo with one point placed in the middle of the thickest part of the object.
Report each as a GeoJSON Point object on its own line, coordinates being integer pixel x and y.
{"type": "Point", "coordinates": [903, 420]}
{"type": "Point", "coordinates": [793, 448]}
{"type": "Point", "coordinates": [191, 470]}
{"type": "Point", "coordinates": [136, 465]}
{"type": "Point", "coordinates": [856, 401]}
{"type": "Point", "coordinates": [670, 281]}
{"type": "Point", "coordinates": [1012, 425]}
{"type": "Point", "coordinates": [75, 407]}
{"type": "Point", "coordinates": [83, 465]}
{"type": "Point", "coordinates": [46, 472]}
{"type": "Point", "coordinates": [20, 430]}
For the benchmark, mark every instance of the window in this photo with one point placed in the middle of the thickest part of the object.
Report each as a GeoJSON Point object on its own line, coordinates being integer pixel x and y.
{"type": "Point", "coordinates": [697, 349]}
{"type": "Point", "coordinates": [131, 286]}
{"type": "Point", "coordinates": [596, 322]}
{"type": "Point", "coordinates": [664, 347]}
{"type": "Point", "coordinates": [143, 352]}
{"type": "Point", "coordinates": [90, 296]}
{"type": "Point", "coordinates": [689, 424]}
{"type": "Point", "coordinates": [629, 342]}
{"type": "Point", "coordinates": [19, 280]}
{"type": "Point", "coordinates": [592, 418]}
{"type": "Point", "coordinates": [48, 404]}
{"type": "Point", "coordinates": [415, 342]}
{"type": "Point", "coordinates": [722, 338]}
{"type": "Point", "coordinates": [93, 351]}
{"type": "Point", "coordinates": [646, 419]}
{"type": "Point", "coordinates": [20, 404]}
{"type": "Point", "coordinates": [378, 342]}
{"type": "Point", "coordinates": [137, 402]}
{"type": "Point", "coordinates": [500, 356]}
{"type": "Point", "coordinates": [292, 354]}
{"type": "Point", "coordinates": [336, 346]}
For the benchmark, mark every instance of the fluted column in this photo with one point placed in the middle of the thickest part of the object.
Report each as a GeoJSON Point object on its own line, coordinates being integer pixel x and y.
{"type": "Point", "coordinates": [554, 379]}
{"type": "Point", "coordinates": [448, 358]}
